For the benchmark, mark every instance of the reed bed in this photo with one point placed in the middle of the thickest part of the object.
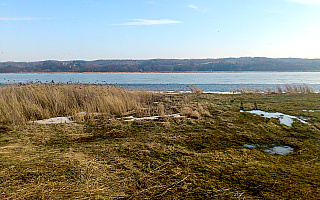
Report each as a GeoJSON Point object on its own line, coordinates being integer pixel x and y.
{"type": "Point", "coordinates": [287, 88]}
{"type": "Point", "coordinates": [22, 103]}
{"type": "Point", "coordinates": [202, 155]}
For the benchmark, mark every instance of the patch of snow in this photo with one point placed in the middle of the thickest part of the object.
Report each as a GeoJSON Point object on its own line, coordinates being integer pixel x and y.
{"type": "Point", "coordinates": [131, 118]}
{"type": "Point", "coordinates": [188, 92]}
{"type": "Point", "coordinates": [84, 113]}
{"type": "Point", "coordinates": [55, 120]}
{"type": "Point", "coordinates": [311, 111]}
{"type": "Point", "coordinates": [222, 92]}
{"type": "Point", "coordinates": [283, 118]}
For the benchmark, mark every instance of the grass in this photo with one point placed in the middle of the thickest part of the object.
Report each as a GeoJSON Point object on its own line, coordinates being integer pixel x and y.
{"type": "Point", "coordinates": [20, 104]}
{"type": "Point", "coordinates": [292, 89]}
{"type": "Point", "coordinates": [199, 156]}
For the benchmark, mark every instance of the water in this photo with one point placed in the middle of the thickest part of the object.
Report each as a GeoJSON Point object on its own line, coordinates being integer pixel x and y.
{"type": "Point", "coordinates": [221, 82]}
{"type": "Point", "coordinates": [281, 150]}
{"type": "Point", "coordinates": [283, 118]}
{"type": "Point", "coordinates": [250, 145]}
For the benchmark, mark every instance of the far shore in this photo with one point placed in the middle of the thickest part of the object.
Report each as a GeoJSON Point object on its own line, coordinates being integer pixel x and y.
{"type": "Point", "coordinates": [164, 72]}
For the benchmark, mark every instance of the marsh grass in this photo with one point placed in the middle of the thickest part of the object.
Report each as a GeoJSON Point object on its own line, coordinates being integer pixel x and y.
{"type": "Point", "coordinates": [20, 104]}
{"type": "Point", "coordinates": [194, 89]}
{"type": "Point", "coordinates": [287, 88]}
{"type": "Point", "coordinates": [170, 158]}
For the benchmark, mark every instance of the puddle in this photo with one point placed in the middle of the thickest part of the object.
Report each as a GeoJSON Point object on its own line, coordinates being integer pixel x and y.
{"type": "Point", "coordinates": [281, 150]}
{"type": "Point", "coordinates": [250, 145]}
{"type": "Point", "coordinates": [55, 120]}
{"type": "Point", "coordinates": [283, 118]}
{"type": "Point", "coordinates": [131, 118]}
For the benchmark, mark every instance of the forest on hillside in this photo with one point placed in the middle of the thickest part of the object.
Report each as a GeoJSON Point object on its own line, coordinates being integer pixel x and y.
{"type": "Point", "coordinates": [165, 65]}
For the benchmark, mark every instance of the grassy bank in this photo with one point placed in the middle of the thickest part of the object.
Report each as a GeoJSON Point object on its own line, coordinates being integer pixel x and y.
{"type": "Point", "coordinates": [198, 156]}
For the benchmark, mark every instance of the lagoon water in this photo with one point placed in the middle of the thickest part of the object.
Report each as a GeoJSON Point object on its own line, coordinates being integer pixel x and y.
{"type": "Point", "coordinates": [220, 82]}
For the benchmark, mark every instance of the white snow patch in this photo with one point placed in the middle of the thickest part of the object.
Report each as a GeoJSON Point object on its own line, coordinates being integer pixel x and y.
{"type": "Point", "coordinates": [188, 92]}
{"type": "Point", "coordinates": [55, 120]}
{"type": "Point", "coordinates": [283, 118]}
{"type": "Point", "coordinates": [85, 113]}
{"type": "Point", "coordinates": [222, 92]}
{"type": "Point", "coordinates": [131, 118]}
{"type": "Point", "coordinates": [311, 111]}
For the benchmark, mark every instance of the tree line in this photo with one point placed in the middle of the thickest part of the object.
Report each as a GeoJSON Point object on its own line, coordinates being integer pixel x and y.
{"type": "Point", "coordinates": [165, 65]}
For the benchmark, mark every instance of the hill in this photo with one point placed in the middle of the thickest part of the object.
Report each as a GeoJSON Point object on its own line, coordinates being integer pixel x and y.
{"type": "Point", "coordinates": [165, 65]}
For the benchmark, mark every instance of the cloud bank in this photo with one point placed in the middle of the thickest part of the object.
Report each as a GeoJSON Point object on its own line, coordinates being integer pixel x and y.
{"type": "Point", "coordinates": [137, 22]}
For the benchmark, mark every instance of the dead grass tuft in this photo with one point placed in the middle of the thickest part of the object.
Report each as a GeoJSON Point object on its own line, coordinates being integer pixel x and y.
{"type": "Point", "coordinates": [195, 89]}
{"type": "Point", "coordinates": [20, 104]}
{"type": "Point", "coordinates": [292, 89]}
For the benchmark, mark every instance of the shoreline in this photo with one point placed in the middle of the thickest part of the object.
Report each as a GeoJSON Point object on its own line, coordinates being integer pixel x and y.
{"type": "Point", "coordinates": [168, 72]}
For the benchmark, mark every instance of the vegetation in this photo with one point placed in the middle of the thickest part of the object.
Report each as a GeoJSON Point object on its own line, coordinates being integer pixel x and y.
{"type": "Point", "coordinates": [165, 65]}
{"type": "Point", "coordinates": [289, 89]}
{"type": "Point", "coordinates": [200, 155]}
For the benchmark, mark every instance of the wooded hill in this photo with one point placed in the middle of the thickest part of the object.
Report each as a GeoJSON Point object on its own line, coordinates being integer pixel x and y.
{"type": "Point", "coordinates": [165, 65]}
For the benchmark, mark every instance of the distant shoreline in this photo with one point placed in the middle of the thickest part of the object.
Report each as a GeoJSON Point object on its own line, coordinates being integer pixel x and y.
{"type": "Point", "coordinates": [168, 72]}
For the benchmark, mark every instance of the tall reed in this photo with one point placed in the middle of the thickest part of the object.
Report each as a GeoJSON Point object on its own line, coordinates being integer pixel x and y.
{"type": "Point", "coordinates": [19, 104]}
{"type": "Point", "coordinates": [303, 89]}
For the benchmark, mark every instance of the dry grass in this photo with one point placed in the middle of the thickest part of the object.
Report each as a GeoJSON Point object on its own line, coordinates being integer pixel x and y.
{"type": "Point", "coordinates": [304, 88]}
{"type": "Point", "coordinates": [195, 89]}
{"type": "Point", "coordinates": [292, 89]}
{"type": "Point", "coordinates": [19, 104]}
{"type": "Point", "coordinates": [202, 157]}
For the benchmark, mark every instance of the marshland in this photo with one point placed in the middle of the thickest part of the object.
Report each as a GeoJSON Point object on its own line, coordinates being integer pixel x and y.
{"type": "Point", "coordinates": [175, 146]}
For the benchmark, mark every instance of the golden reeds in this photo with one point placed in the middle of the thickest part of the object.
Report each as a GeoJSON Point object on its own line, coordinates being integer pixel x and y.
{"type": "Point", "coordinates": [19, 104]}
{"type": "Point", "coordinates": [303, 89]}
{"type": "Point", "coordinates": [194, 89]}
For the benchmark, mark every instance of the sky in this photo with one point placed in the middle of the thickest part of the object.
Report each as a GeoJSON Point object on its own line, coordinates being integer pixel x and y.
{"type": "Point", "coordinates": [34, 30]}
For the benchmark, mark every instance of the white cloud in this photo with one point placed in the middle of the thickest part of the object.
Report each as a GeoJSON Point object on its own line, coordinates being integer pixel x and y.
{"type": "Point", "coordinates": [196, 8]}
{"type": "Point", "coordinates": [306, 1]}
{"type": "Point", "coordinates": [148, 22]}
{"type": "Point", "coordinates": [23, 19]}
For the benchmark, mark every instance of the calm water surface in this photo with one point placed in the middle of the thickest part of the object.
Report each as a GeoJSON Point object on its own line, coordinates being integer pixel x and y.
{"type": "Point", "coordinates": [222, 82]}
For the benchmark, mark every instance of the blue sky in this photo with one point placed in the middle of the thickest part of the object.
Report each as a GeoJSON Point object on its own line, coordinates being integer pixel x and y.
{"type": "Point", "coordinates": [33, 30]}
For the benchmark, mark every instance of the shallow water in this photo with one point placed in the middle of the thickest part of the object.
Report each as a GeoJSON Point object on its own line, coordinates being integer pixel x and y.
{"type": "Point", "coordinates": [282, 150]}
{"type": "Point", "coordinates": [220, 82]}
{"type": "Point", "coordinates": [283, 118]}
{"type": "Point", "coordinates": [250, 145]}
